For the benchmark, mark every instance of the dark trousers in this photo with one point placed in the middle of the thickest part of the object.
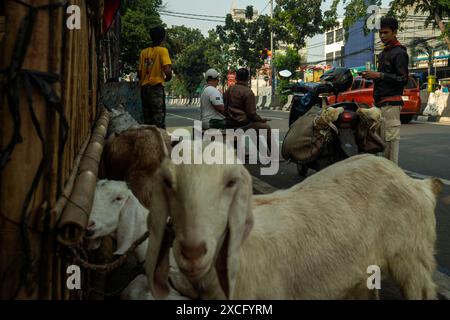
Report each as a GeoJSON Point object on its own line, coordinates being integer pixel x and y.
{"type": "Point", "coordinates": [231, 124]}
{"type": "Point", "coordinates": [154, 105]}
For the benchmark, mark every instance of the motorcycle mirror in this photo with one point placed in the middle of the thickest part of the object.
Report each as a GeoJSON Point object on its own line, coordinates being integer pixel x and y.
{"type": "Point", "coordinates": [285, 73]}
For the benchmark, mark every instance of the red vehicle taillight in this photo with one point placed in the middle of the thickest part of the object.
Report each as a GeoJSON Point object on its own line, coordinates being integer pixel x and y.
{"type": "Point", "coordinates": [347, 117]}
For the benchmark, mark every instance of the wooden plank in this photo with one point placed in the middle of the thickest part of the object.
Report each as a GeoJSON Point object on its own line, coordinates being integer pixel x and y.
{"type": "Point", "coordinates": [9, 254]}
{"type": "Point", "coordinates": [68, 91]}
{"type": "Point", "coordinates": [47, 256]}
{"type": "Point", "coordinates": [56, 29]}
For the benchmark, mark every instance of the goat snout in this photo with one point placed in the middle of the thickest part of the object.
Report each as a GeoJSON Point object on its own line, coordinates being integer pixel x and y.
{"type": "Point", "coordinates": [193, 264]}
{"type": "Point", "coordinates": [90, 229]}
{"type": "Point", "coordinates": [193, 252]}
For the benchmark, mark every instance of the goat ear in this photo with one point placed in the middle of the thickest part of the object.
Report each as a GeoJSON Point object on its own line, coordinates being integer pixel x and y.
{"type": "Point", "coordinates": [157, 258]}
{"type": "Point", "coordinates": [240, 223]}
{"type": "Point", "coordinates": [131, 223]}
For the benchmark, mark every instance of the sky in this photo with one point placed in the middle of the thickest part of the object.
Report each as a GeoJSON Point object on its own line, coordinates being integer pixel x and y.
{"type": "Point", "coordinates": [220, 8]}
{"type": "Point", "coordinates": [209, 8]}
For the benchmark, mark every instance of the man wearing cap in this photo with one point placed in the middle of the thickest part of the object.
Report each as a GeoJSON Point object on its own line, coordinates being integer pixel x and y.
{"type": "Point", "coordinates": [211, 102]}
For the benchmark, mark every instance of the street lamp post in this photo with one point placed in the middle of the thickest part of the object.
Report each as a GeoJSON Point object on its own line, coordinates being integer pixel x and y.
{"type": "Point", "coordinates": [434, 63]}
{"type": "Point", "coordinates": [274, 78]}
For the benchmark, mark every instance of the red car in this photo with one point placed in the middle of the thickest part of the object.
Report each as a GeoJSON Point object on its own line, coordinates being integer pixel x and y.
{"type": "Point", "coordinates": [361, 91]}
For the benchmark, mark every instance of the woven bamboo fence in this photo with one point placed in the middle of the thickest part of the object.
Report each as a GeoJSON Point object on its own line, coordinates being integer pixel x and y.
{"type": "Point", "coordinates": [51, 138]}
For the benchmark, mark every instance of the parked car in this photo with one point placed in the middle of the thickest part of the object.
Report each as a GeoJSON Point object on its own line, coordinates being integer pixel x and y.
{"type": "Point", "coordinates": [444, 82]}
{"type": "Point", "coordinates": [361, 91]}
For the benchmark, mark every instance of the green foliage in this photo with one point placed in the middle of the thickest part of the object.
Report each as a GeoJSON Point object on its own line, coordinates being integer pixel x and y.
{"type": "Point", "coordinates": [282, 96]}
{"type": "Point", "coordinates": [190, 65]}
{"type": "Point", "coordinates": [422, 46]}
{"type": "Point", "coordinates": [295, 20]}
{"type": "Point", "coordinates": [180, 37]}
{"type": "Point", "coordinates": [290, 60]}
{"type": "Point", "coordinates": [192, 54]}
{"type": "Point", "coordinates": [219, 56]}
{"type": "Point", "coordinates": [138, 16]}
{"type": "Point", "coordinates": [147, 7]}
{"type": "Point", "coordinates": [354, 11]}
{"type": "Point", "coordinates": [176, 87]}
{"type": "Point", "coordinates": [246, 40]}
{"type": "Point", "coordinates": [434, 10]}
{"type": "Point", "coordinates": [187, 50]}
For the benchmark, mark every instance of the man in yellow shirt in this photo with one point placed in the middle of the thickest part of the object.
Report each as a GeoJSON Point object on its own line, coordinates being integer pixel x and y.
{"type": "Point", "coordinates": [155, 68]}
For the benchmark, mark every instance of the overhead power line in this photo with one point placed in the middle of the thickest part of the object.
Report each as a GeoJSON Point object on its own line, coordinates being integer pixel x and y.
{"type": "Point", "coordinates": [191, 18]}
{"type": "Point", "coordinates": [265, 7]}
{"type": "Point", "coordinates": [193, 14]}
{"type": "Point", "coordinates": [344, 56]}
{"type": "Point", "coordinates": [406, 30]}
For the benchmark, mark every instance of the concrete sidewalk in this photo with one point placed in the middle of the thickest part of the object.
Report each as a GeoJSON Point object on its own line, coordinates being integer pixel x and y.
{"type": "Point", "coordinates": [432, 119]}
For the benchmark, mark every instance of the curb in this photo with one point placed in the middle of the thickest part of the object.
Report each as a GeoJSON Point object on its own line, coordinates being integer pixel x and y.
{"type": "Point", "coordinates": [270, 108]}
{"type": "Point", "coordinates": [432, 119]}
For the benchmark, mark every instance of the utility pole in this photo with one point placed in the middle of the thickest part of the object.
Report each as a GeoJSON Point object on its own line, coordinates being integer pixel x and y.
{"type": "Point", "coordinates": [274, 78]}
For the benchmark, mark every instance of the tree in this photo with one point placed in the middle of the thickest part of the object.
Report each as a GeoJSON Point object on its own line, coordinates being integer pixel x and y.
{"type": "Point", "coordinates": [187, 50]}
{"type": "Point", "coordinates": [290, 60]}
{"type": "Point", "coordinates": [295, 20]}
{"type": "Point", "coordinates": [436, 12]}
{"type": "Point", "coordinates": [190, 66]}
{"type": "Point", "coordinates": [179, 38]}
{"type": "Point", "coordinates": [138, 16]}
{"type": "Point", "coordinates": [176, 87]}
{"type": "Point", "coordinates": [148, 7]}
{"type": "Point", "coordinates": [427, 47]}
{"type": "Point", "coordinates": [219, 56]}
{"type": "Point", "coordinates": [246, 40]}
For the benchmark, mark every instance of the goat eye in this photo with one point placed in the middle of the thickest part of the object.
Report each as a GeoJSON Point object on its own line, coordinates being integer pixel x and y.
{"type": "Point", "coordinates": [231, 183]}
{"type": "Point", "coordinates": [118, 199]}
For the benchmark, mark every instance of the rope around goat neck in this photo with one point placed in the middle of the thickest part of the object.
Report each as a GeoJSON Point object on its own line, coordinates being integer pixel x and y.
{"type": "Point", "coordinates": [108, 267]}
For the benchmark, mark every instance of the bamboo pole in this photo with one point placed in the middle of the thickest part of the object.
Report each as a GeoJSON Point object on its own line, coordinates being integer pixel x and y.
{"type": "Point", "coordinates": [76, 213]}
{"type": "Point", "coordinates": [62, 200]}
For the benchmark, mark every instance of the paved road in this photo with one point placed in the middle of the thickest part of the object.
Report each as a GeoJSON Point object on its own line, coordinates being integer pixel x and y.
{"type": "Point", "coordinates": [424, 151]}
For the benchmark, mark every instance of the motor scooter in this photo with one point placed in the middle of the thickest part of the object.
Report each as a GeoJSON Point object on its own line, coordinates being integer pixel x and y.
{"type": "Point", "coordinates": [305, 96]}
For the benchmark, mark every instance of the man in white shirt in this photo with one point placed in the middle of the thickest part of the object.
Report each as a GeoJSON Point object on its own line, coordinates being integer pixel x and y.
{"type": "Point", "coordinates": [211, 103]}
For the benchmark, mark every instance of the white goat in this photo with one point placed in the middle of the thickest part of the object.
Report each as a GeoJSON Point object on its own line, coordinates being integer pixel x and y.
{"type": "Point", "coordinates": [117, 212]}
{"type": "Point", "coordinates": [312, 241]}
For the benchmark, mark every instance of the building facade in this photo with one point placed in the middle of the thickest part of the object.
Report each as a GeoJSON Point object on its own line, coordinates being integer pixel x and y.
{"type": "Point", "coordinates": [239, 14]}
{"type": "Point", "coordinates": [359, 47]}
{"type": "Point", "coordinates": [333, 44]}
{"type": "Point", "coordinates": [421, 42]}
